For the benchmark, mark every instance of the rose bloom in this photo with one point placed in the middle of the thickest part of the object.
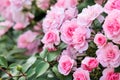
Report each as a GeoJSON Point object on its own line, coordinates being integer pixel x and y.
{"type": "Point", "coordinates": [81, 74]}
{"type": "Point", "coordinates": [109, 55]}
{"type": "Point", "coordinates": [88, 14]}
{"type": "Point", "coordinates": [111, 5]}
{"type": "Point", "coordinates": [53, 19]}
{"type": "Point", "coordinates": [111, 26]}
{"type": "Point", "coordinates": [50, 39]}
{"type": "Point", "coordinates": [24, 40]}
{"type": "Point", "coordinates": [65, 64]}
{"type": "Point", "coordinates": [79, 39]}
{"type": "Point", "coordinates": [5, 26]}
{"type": "Point", "coordinates": [43, 4]}
{"type": "Point", "coordinates": [67, 29]}
{"type": "Point", "coordinates": [109, 74]}
{"type": "Point", "coordinates": [66, 3]}
{"type": "Point", "coordinates": [89, 63]}
{"type": "Point", "coordinates": [100, 40]}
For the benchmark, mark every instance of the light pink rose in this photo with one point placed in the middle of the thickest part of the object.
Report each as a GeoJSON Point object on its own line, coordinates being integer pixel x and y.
{"type": "Point", "coordinates": [109, 55]}
{"type": "Point", "coordinates": [71, 13]}
{"type": "Point", "coordinates": [24, 40]}
{"type": "Point", "coordinates": [81, 74]}
{"type": "Point", "coordinates": [50, 39]}
{"type": "Point", "coordinates": [89, 63]}
{"type": "Point", "coordinates": [111, 5]}
{"type": "Point", "coordinates": [43, 4]}
{"type": "Point", "coordinates": [5, 26]}
{"type": "Point", "coordinates": [66, 3]}
{"type": "Point", "coordinates": [100, 40]}
{"type": "Point", "coordinates": [53, 19]}
{"type": "Point", "coordinates": [109, 74]}
{"type": "Point", "coordinates": [65, 64]}
{"type": "Point", "coordinates": [70, 51]}
{"type": "Point", "coordinates": [80, 36]}
{"type": "Point", "coordinates": [18, 26]}
{"type": "Point", "coordinates": [67, 29]}
{"type": "Point", "coordinates": [88, 14]}
{"type": "Point", "coordinates": [111, 26]}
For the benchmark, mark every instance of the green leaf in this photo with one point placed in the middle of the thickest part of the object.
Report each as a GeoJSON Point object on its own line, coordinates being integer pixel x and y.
{"type": "Point", "coordinates": [41, 68]}
{"type": "Point", "coordinates": [52, 55]}
{"type": "Point", "coordinates": [30, 72]}
{"type": "Point", "coordinates": [43, 54]}
{"type": "Point", "coordinates": [62, 46]}
{"type": "Point", "coordinates": [117, 69]}
{"type": "Point", "coordinates": [29, 63]}
{"type": "Point", "coordinates": [3, 62]}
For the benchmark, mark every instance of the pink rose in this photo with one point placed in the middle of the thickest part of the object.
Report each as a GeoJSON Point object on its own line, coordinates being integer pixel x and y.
{"type": "Point", "coordinates": [5, 26]}
{"type": "Point", "coordinates": [111, 5]}
{"type": "Point", "coordinates": [109, 55]}
{"type": "Point", "coordinates": [50, 39]}
{"type": "Point", "coordinates": [81, 74]}
{"type": "Point", "coordinates": [87, 15]}
{"type": "Point", "coordinates": [43, 4]}
{"type": "Point", "coordinates": [111, 26]}
{"type": "Point", "coordinates": [67, 29]}
{"type": "Point", "coordinates": [24, 40]}
{"type": "Point", "coordinates": [71, 13]}
{"type": "Point", "coordinates": [109, 74]}
{"type": "Point", "coordinates": [80, 36]}
{"type": "Point", "coordinates": [53, 19]}
{"type": "Point", "coordinates": [89, 63]}
{"type": "Point", "coordinates": [70, 51]}
{"type": "Point", "coordinates": [65, 64]}
{"type": "Point", "coordinates": [18, 26]}
{"type": "Point", "coordinates": [66, 3]}
{"type": "Point", "coordinates": [100, 40]}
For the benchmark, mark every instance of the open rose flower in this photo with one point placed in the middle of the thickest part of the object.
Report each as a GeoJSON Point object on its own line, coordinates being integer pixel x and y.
{"type": "Point", "coordinates": [109, 55]}
{"type": "Point", "coordinates": [87, 15]}
{"type": "Point", "coordinates": [65, 64]}
{"type": "Point", "coordinates": [50, 39]}
{"type": "Point", "coordinates": [80, 36]}
{"type": "Point", "coordinates": [109, 74]}
{"type": "Point", "coordinates": [111, 5]}
{"type": "Point", "coordinates": [53, 19]}
{"type": "Point", "coordinates": [66, 3]}
{"type": "Point", "coordinates": [89, 63]}
{"type": "Point", "coordinates": [100, 40]}
{"type": "Point", "coordinates": [67, 29]}
{"type": "Point", "coordinates": [81, 74]}
{"type": "Point", "coordinates": [111, 26]}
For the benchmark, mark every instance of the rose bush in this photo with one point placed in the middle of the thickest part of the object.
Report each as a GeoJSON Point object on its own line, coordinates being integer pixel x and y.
{"type": "Point", "coordinates": [60, 39]}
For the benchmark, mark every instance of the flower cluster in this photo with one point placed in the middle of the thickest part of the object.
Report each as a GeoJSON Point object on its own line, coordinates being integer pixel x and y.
{"type": "Point", "coordinates": [65, 24]}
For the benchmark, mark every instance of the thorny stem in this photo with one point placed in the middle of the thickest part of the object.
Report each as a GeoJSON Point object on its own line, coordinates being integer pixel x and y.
{"type": "Point", "coordinates": [9, 74]}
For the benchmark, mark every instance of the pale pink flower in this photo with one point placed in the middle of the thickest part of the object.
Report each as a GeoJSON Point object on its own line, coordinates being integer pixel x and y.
{"type": "Point", "coordinates": [18, 26]}
{"type": "Point", "coordinates": [26, 39]}
{"type": "Point", "coordinates": [50, 39]}
{"type": "Point", "coordinates": [5, 26]}
{"type": "Point", "coordinates": [89, 63]}
{"type": "Point", "coordinates": [70, 51]}
{"type": "Point", "coordinates": [80, 36]}
{"type": "Point", "coordinates": [81, 74]}
{"type": "Point", "coordinates": [109, 74]}
{"type": "Point", "coordinates": [111, 26]}
{"type": "Point", "coordinates": [53, 19]}
{"type": "Point", "coordinates": [65, 64]}
{"type": "Point", "coordinates": [109, 55]}
{"type": "Point", "coordinates": [111, 5]}
{"type": "Point", "coordinates": [67, 29]}
{"type": "Point", "coordinates": [66, 3]}
{"type": "Point", "coordinates": [38, 26]}
{"type": "Point", "coordinates": [100, 40]}
{"type": "Point", "coordinates": [88, 14]}
{"type": "Point", "coordinates": [43, 4]}
{"type": "Point", "coordinates": [71, 13]}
